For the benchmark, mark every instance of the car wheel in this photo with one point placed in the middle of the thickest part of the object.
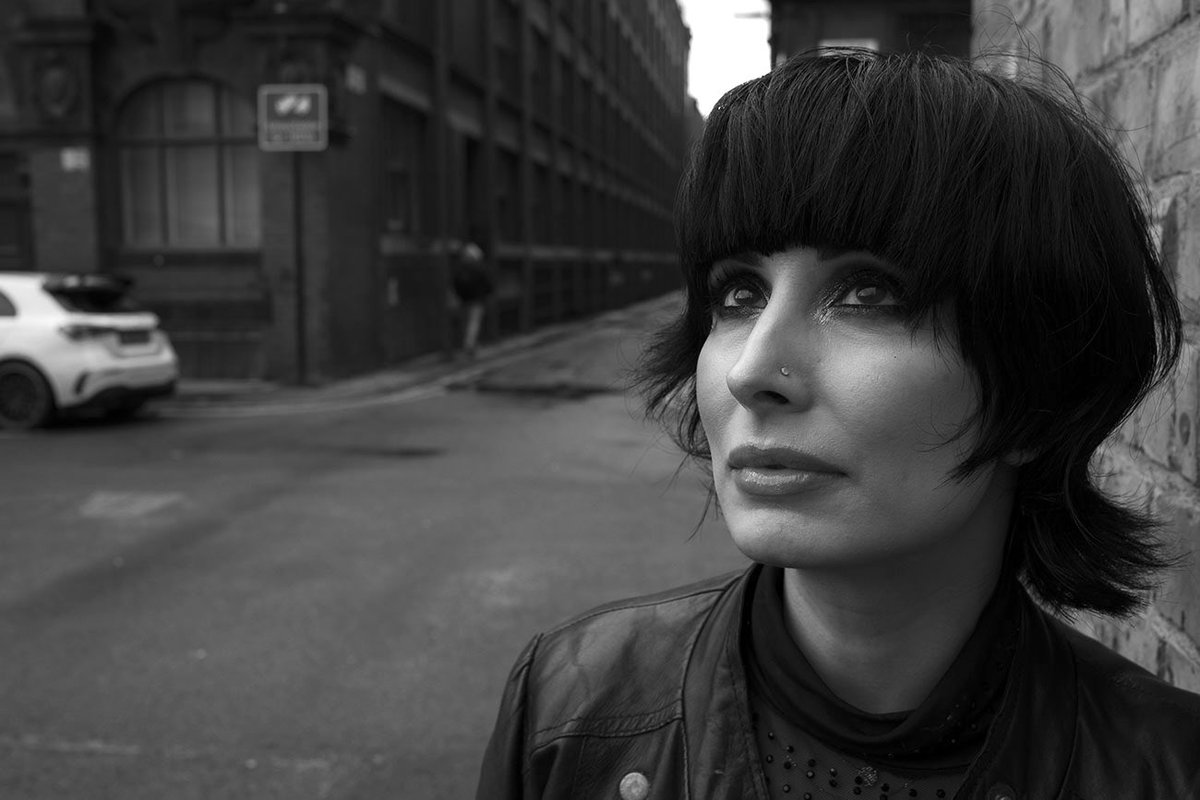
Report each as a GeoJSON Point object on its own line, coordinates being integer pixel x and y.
{"type": "Point", "coordinates": [25, 398]}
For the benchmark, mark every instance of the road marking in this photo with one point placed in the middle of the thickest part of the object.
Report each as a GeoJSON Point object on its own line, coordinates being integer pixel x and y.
{"type": "Point", "coordinates": [127, 505]}
{"type": "Point", "coordinates": [502, 587]}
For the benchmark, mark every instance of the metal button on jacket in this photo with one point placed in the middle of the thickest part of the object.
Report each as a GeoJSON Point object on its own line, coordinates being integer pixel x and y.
{"type": "Point", "coordinates": [1001, 791]}
{"type": "Point", "coordinates": [634, 786]}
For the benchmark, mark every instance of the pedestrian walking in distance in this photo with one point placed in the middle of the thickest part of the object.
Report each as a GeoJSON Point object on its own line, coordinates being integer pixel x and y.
{"type": "Point", "coordinates": [919, 296]}
{"type": "Point", "coordinates": [472, 288]}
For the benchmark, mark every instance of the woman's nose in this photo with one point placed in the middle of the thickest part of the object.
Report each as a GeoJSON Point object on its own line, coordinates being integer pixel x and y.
{"type": "Point", "coordinates": [772, 368]}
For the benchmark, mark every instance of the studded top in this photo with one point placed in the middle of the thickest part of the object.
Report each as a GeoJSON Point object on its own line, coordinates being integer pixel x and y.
{"type": "Point", "coordinates": [796, 766]}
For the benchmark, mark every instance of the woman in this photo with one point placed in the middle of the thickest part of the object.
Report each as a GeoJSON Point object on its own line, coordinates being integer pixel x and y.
{"type": "Point", "coordinates": [919, 298]}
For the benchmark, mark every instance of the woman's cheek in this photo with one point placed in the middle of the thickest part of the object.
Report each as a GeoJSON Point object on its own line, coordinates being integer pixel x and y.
{"type": "Point", "coordinates": [709, 382]}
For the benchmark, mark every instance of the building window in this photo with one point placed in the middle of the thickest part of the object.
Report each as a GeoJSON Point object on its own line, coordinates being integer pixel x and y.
{"type": "Point", "coordinates": [189, 168]}
{"type": "Point", "coordinates": [564, 99]}
{"type": "Point", "coordinates": [540, 208]}
{"type": "Point", "coordinates": [405, 158]}
{"type": "Point", "coordinates": [539, 76]}
{"type": "Point", "coordinates": [507, 196]}
{"type": "Point", "coordinates": [563, 203]}
{"type": "Point", "coordinates": [506, 42]}
{"type": "Point", "coordinates": [16, 228]}
{"type": "Point", "coordinates": [467, 35]}
{"type": "Point", "coordinates": [413, 18]}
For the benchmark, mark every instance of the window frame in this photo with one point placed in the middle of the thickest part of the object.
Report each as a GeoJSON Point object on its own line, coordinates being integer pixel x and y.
{"type": "Point", "coordinates": [230, 138]}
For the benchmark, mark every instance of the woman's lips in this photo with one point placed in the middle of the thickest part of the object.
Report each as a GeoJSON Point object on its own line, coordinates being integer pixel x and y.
{"type": "Point", "coordinates": [775, 481]}
{"type": "Point", "coordinates": [775, 471]}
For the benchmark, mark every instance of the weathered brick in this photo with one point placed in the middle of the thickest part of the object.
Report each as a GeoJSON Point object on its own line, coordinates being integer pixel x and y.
{"type": "Point", "coordinates": [1149, 18]}
{"type": "Point", "coordinates": [1133, 638]}
{"type": "Point", "coordinates": [1138, 640]}
{"type": "Point", "coordinates": [1125, 99]}
{"type": "Point", "coordinates": [1010, 26]}
{"type": "Point", "coordinates": [1177, 669]}
{"type": "Point", "coordinates": [1151, 426]}
{"type": "Point", "coordinates": [1182, 452]}
{"type": "Point", "coordinates": [1178, 598]}
{"type": "Point", "coordinates": [1181, 250]}
{"type": "Point", "coordinates": [1081, 35]}
{"type": "Point", "coordinates": [1115, 34]}
{"type": "Point", "coordinates": [1118, 474]}
{"type": "Point", "coordinates": [1164, 425]}
{"type": "Point", "coordinates": [1176, 148]}
{"type": "Point", "coordinates": [1019, 8]}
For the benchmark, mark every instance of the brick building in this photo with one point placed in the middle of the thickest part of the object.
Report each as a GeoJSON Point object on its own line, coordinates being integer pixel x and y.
{"type": "Point", "coordinates": [551, 132]}
{"type": "Point", "coordinates": [1136, 62]}
{"type": "Point", "coordinates": [886, 25]}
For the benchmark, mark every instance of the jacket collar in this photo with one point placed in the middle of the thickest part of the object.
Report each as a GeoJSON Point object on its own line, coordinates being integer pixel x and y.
{"type": "Point", "coordinates": [1042, 696]}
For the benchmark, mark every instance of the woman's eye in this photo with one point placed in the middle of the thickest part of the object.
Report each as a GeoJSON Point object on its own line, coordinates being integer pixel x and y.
{"type": "Point", "coordinates": [869, 293]}
{"type": "Point", "coordinates": [740, 296]}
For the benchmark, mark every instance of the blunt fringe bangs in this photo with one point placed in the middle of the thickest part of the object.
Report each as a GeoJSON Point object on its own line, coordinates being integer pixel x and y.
{"type": "Point", "coordinates": [996, 195]}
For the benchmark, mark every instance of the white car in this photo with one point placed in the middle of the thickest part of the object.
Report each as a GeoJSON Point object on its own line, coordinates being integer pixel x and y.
{"type": "Point", "coordinates": [77, 341]}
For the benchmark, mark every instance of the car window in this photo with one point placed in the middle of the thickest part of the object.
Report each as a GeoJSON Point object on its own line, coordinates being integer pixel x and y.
{"type": "Point", "coordinates": [7, 309]}
{"type": "Point", "coordinates": [94, 300]}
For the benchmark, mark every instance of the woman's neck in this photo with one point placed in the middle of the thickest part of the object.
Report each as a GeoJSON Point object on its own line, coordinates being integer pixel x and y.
{"type": "Point", "coordinates": [881, 638]}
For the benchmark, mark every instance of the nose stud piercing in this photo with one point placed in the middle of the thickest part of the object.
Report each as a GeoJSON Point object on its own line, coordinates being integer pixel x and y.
{"type": "Point", "coordinates": [784, 371]}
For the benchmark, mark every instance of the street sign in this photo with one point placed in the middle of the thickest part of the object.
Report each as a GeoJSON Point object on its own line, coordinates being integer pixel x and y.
{"type": "Point", "coordinates": [293, 116]}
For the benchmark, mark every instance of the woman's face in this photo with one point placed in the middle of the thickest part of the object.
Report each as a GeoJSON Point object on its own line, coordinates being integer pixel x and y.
{"type": "Point", "coordinates": [830, 422]}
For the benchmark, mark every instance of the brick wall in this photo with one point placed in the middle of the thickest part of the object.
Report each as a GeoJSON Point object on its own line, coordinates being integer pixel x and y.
{"type": "Point", "coordinates": [1138, 61]}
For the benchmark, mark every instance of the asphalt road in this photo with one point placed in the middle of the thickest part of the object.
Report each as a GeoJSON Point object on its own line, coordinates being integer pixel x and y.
{"type": "Point", "coordinates": [320, 596]}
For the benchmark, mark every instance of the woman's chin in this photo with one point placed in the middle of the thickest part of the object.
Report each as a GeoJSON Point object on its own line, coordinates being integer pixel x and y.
{"type": "Point", "coordinates": [775, 543]}
{"type": "Point", "coordinates": [782, 540]}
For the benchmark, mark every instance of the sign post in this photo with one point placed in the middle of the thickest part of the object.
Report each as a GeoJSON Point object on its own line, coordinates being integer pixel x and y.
{"type": "Point", "coordinates": [294, 118]}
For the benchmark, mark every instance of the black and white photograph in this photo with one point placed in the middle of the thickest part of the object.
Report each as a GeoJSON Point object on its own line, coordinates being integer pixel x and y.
{"type": "Point", "coordinates": [599, 399]}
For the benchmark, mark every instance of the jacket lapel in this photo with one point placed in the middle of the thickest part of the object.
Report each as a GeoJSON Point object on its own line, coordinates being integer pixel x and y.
{"type": "Point", "coordinates": [719, 742]}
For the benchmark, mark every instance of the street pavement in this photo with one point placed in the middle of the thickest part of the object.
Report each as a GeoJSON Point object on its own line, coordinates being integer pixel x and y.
{"type": "Point", "coordinates": [273, 592]}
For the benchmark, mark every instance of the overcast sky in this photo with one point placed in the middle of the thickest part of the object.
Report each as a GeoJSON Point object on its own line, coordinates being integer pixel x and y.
{"type": "Point", "coordinates": [727, 49]}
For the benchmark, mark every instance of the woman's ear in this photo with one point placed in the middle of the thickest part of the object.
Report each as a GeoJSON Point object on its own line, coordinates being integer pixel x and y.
{"type": "Point", "coordinates": [1019, 457]}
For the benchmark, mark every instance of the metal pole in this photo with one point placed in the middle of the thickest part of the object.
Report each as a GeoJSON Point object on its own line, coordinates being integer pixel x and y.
{"type": "Point", "coordinates": [301, 281]}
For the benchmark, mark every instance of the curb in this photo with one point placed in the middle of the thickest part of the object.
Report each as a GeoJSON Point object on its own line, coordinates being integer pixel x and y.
{"type": "Point", "coordinates": [202, 396]}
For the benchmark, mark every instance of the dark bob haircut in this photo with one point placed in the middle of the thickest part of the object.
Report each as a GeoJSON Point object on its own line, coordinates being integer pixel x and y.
{"type": "Point", "coordinates": [998, 194]}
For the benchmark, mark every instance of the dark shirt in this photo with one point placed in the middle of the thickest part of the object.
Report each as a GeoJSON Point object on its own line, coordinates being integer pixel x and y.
{"type": "Point", "coordinates": [471, 281]}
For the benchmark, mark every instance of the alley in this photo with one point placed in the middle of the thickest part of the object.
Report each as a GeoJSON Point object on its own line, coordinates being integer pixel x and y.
{"type": "Point", "coordinates": [323, 601]}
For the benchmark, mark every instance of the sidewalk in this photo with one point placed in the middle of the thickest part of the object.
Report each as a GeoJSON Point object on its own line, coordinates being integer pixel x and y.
{"type": "Point", "coordinates": [507, 365]}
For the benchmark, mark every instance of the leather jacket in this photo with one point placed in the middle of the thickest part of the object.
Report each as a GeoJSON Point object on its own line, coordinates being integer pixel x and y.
{"type": "Point", "coordinates": [646, 698]}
